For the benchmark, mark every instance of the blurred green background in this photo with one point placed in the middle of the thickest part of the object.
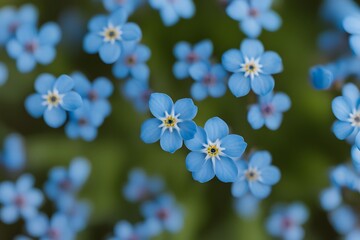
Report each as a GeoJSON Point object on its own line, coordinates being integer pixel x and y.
{"type": "Point", "coordinates": [304, 148]}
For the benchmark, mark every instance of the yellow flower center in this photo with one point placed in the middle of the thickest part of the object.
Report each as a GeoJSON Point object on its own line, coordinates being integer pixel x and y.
{"type": "Point", "coordinates": [170, 121]}
{"type": "Point", "coordinates": [212, 150]}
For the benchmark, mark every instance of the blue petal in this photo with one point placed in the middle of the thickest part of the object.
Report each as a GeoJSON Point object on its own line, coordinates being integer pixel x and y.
{"type": "Point", "coordinates": [109, 52]}
{"type": "Point", "coordinates": [71, 101]}
{"type": "Point", "coordinates": [271, 62]}
{"type": "Point", "coordinates": [150, 130]}
{"type": "Point", "coordinates": [239, 85]}
{"type": "Point", "coordinates": [14, 48]}
{"type": "Point", "coordinates": [216, 128]}
{"type": "Point", "coordinates": [79, 171]}
{"type": "Point", "coordinates": [255, 117]}
{"type": "Point", "coordinates": [140, 72]}
{"type": "Point", "coordinates": [92, 43]}
{"type": "Point", "coordinates": [355, 44]}
{"type": "Point", "coordinates": [351, 24]}
{"type": "Point", "coordinates": [239, 189]}
{"type": "Point", "coordinates": [262, 84]}
{"type": "Point", "coordinates": [238, 10]}
{"type": "Point", "coordinates": [270, 21]}
{"type": "Point", "coordinates": [120, 70]}
{"type": "Point", "coordinates": [142, 53]}
{"type": "Point", "coordinates": [251, 28]}
{"type": "Point", "coordinates": [25, 63]}
{"type": "Point", "coordinates": [270, 175]}
{"type": "Point", "coordinates": [260, 159]}
{"type": "Point", "coordinates": [357, 141]}
{"type": "Point", "coordinates": [9, 214]}
{"type": "Point", "coordinates": [50, 34]}
{"type": "Point", "coordinates": [64, 84]}
{"type": "Point", "coordinates": [355, 155]}
{"type": "Point", "coordinates": [33, 105]}
{"type": "Point", "coordinates": [44, 83]}
{"type": "Point", "coordinates": [351, 91]}
{"type": "Point", "coordinates": [205, 174]}
{"type": "Point", "coordinates": [226, 170]}
{"type": "Point", "coordinates": [199, 70]}
{"type": "Point", "coordinates": [341, 108]}
{"type": "Point", "coordinates": [273, 121]}
{"type": "Point", "coordinates": [118, 17]}
{"type": "Point", "coordinates": [259, 190]}
{"type": "Point", "coordinates": [204, 49]}
{"type": "Point", "coordinates": [197, 143]}
{"type": "Point", "coordinates": [182, 50]}
{"type": "Point", "coordinates": [186, 108]}
{"type": "Point", "coordinates": [321, 78]}
{"type": "Point", "coordinates": [55, 117]}
{"type": "Point", "coordinates": [281, 102]}
{"type": "Point", "coordinates": [82, 84]}
{"type": "Point", "coordinates": [45, 54]}
{"type": "Point", "coordinates": [251, 48]}
{"type": "Point", "coordinates": [198, 91]}
{"type": "Point", "coordinates": [217, 90]}
{"type": "Point", "coordinates": [185, 8]}
{"type": "Point", "coordinates": [169, 16]}
{"type": "Point", "coordinates": [234, 145]}
{"type": "Point", "coordinates": [160, 103]}
{"type": "Point", "coordinates": [181, 70]}
{"type": "Point", "coordinates": [170, 142]}
{"type": "Point", "coordinates": [103, 87]}
{"type": "Point", "coordinates": [195, 161]}
{"type": "Point", "coordinates": [342, 130]}
{"type": "Point", "coordinates": [97, 23]}
{"type": "Point", "coordinates": [232, 60]}
{"type": "Point", "coordinates": [187, 129]}
{"type": "Point", "coordinates": [131, 32]}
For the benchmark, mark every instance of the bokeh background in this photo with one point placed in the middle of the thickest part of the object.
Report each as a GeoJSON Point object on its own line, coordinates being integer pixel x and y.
{"type": "Point", "coordinates": [304, 148]}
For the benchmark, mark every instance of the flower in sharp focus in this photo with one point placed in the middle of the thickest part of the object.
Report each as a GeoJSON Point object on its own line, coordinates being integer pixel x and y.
{"type": "Point", "coordinates": [209, 80]}
{"type": "Point", "coordinates": [53, 99]}
{"type": "Point", "coordinates": [133, 62]}
{"type": "Point", "coordinates": [64, 182]}
{"type": "Point", "coordinates": [252, 68]}
{"type": "Point", "coordinates": [165, 212]}
{"type": "Point", "coordinates": [19, 199]}
{"type": "Point", "coordinates": [286, 221]}
{"type": "Point", "coordinates": [141, 187]}
{"type": "Point", "coordinates": [107, 33]}
{"type": "Point", "coordinates": [13, 156]}
{"type": "Point", "coordinates": [269, 111]}
{"type": "Point", "coordinates": [213, 150]}
{"type": "Point", "coordinates": [253, 16]}
{"type": "Point", "coordinates": [172, 11]}
{"type": "Point", "coordinates": [188, 55]}
{"type": "Point", "coordinates": [31, 46]}
{"type": "Point", "coordinates": [256, 177]}
{"type": "Point", "coordinates": [172, 123]}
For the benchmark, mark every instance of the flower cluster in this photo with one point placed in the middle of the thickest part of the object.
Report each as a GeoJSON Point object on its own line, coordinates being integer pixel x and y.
{"type": "Point", "coordinates": [160, 210]}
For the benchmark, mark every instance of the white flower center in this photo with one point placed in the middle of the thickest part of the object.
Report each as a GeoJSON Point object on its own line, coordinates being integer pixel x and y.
{"type": "Point", "coordinates": [354, 118]}
{"type": "Point", "coordinates": [213, 150]}
{"type": "Point", "coordinates": [52, 99]}
{"type": "Point", "coordinates": [252, 174]}
{"type": "Point", "coordinates": [111, 33]}
{"type": "Point", "coordinates": [251, 67]}
{"type": "Point", "coordinates": [170, 122]}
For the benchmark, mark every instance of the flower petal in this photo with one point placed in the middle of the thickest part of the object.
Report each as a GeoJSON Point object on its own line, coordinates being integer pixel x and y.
{"type": "Point", "coordinates": [205, 174]}
{"type": "Point", "coordinates": [216, 128]}
{"type": "Point", "coordinates": [234, 145]}
{"type": "Point", "coordinates": [195, 161]}
{"type": "Point", "coordinates": [226, 170]}
{"type": "Point", "coordinates": [55, 117]}
{"type": "Point", "coordinates": [170, 142]}
{"type": "Point", "coordinates": [150, 130]}
{"type": "Point", "coordinates": [186, 108]}
{"type": "Point", "coordinates": [239, 85]}
{"type": "Point", "coordinates": [160, 103]}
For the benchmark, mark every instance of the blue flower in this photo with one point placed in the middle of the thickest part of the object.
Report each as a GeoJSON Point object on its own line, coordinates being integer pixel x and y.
{"type": "Point", "coordinates": [84, 122]}
{"type": "Point", "coordinates": [107, 33]}
{"type": "Point", "coordinates": [213, 151]}
{"type": "Point", "coordinates": [165, 212]}
{"type": "Point", "coordinates": [138, 92]}
{"type": "Point", "coordinates": [187, 56]}
{"type": "Point", "coordinates": [247, 206]}
{"type": "Point", "coordinates": [133, 62]}
{"type": "Point", "coordinates": [321, 77]}
{"type": "Point", "coordinates": [256, 177]}
{"type": "Point", "coordinates": [209, 80]}
{"type": "Point", "coordinates": [286, 221]}
{"type": "Point", "coordinates": [13, 156]}
{"type": "Point", "coordinates": [20, 199]}
{"type": "Point", "coordinates": [269, 111]}
{"type": "Point", "coordinates": [140, 187]}
{"type": "Point", "coordinates": [53, 98]}
{"type": "Point", "coordinates": [172, 11]}
{"type": "Point", "coordinates": [11, 19]}
{"type": "Point", "coordinates": [31, 46]}
{"type": "Point", "coordinates": [253, 16]}
{"type": "Point", "coordinates": [347, 110]}
{"type": "Point", "coordinates": [252, 68]}
{"type": "Point", "coordinates": [55, 228]}
{"type": "Point", "coordinates": [125, 231]}
{"type": "Point", "coordinates": [172, 123]}
{"type": "Point", "coordinates": [351, 25]}
{"type": "Point", "coordinates": [4, 73]}
{"type": "Point", "coordinates": [97, 92]}
{"type": "Point", "coordinates": [63, 183]}
{"type": "Point", "coordinates": [342, 176]}
{"type": "Point", "coordinates": [128, 6]}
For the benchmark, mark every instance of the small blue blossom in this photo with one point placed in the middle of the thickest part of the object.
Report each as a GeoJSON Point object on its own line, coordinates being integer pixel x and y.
{"type": "Point", "coordinates": [188, 56]}
{"type": "Point", "coordinates": [133, 62]}
{"type": "Point", "coordinates": [253, 16]}
{"type": "Point", "coordinates": [256, 177]}
{"type": "Point", "coordinates": [128, 6]}
{"type": "Point", "coordinates": [165, 213]}
{"type": "Point", "coordinates": [252, 68]}
{"type": "Point", "coordinates": [351, 25]}
{"type": "Point", "coordinates": [11, 19]}
{"type": "Point", "coordinates": [172, 11]}
{"type": "Point", "coordinates": [19, 199]}
{"type": "Point", "coordinates": [125, 231]}
{"type": "Point", "coordinates": [56, 228]}
{"type": "Point", "coordinates": [4, 74]}
{"type": "Point", "coordinates": [13, 156]}
{"type": "Point", "coordinates": [53, 98]}
{"type": "Point", "coordinates": [269, 111]}
{"type": "Point", "coordinates": [213, 150]}
{"type": "Point", "coordinates": [140, 187]}
{"type": "Point", "coordinates": [107, 34]}
{"type": "Point", "coordinates": [67, 182]}
{"type": "Point", "coordinates": [31, 46]}
{"type": "Point", "coordinates": [209, 80]}
{"type": "Point", "coordinates": [321, 77]}
{"type": "Point", "coordinates": [172, 123]}
{"type": "Point", "coordinates": [342, 176]}
{"type": "Point", "coordinates": [286, 221]}
{"type": "Point", "coordinates": [138, 92]}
